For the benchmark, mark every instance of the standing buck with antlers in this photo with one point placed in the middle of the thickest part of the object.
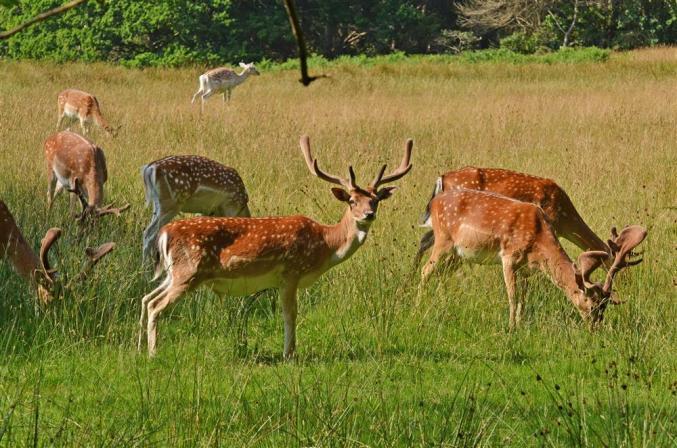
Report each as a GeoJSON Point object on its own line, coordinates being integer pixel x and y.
{"type": "Point", "coordinates": [558, 208]}
{"type": "Point", "coordinates": [485, 227]}
{"type": "Point", "coordinates": [222, 80]}
{"type": "Point", "coordinates": [190, 184]}
{"type": "Point", "coordinates": [36, 269]}
{"type": "Point", "coordinates": [79, 166]}
{"type": "Point", "coordinates": [76, 104]}
{"type": "Point", "coordinates": [239, 256]}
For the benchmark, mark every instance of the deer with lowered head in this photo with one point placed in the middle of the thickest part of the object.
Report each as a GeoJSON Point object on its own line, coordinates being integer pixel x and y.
{"type": "Point", "coordinates": [485, 227]}
{"type": "Point", "coordinates": [84, 107]}
{"type": "Point", "coordinates": [558, 208]}
{"type": "Point", "coordinates": [222, 80]}
{"type": "Point", "coordinates": [35, 268]}
{"type": "Point", "coordinates": [78, 165]}
{"type": "Point", "coordinates": [241, 256]}
{"type": "Point", "coordinates": [190, 184]}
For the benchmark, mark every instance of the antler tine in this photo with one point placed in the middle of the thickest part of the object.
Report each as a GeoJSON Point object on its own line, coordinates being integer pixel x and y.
{"type": "Point", "coordinates": [46, 244]}
{"type": "Point", "coordinates": [403, 169]}
{"type": "Point", "coordinates": [109, 209]}
{"type": "Point", "coordinates": [94, 255]}
{"type": "Point", "coordinates": [629, 238]}
{"type": "Point", "coordinates": [351, 173]}
{"type": "Point", "coordinates": [314, 167]}
{"type": "Point", "coordinates": [378, 177]}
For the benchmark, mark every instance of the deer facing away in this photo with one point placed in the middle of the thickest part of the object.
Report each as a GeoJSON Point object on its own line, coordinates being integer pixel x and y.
{"type": "Point", "coordinates": [191, 184]}
{"type": "Point", "coordinates": [78, 165]}
{"type": "Point", "coordinates": [558, 208]}
{"type": "Point", "coordinates": [485, 227]}
{"type": "Point", "coordinates": [222, 80]}
{"type": "Point", "coordinates": [239, 256]}
{"type": "Point", "coordinates": [76, 104]}
{"type": "Point", "coordinates": [36, 269]}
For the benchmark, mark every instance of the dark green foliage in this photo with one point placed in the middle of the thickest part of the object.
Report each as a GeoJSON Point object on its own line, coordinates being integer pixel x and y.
{"type": "Point", "coordinates": [178, 32]}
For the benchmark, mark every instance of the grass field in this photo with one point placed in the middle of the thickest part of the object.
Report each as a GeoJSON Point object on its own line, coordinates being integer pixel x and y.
{"type": "Point", "coordinates": [378, 364]}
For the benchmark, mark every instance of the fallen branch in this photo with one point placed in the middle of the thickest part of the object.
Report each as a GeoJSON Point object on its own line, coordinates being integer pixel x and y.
{"type": "Point", "coordinates": [42, 16]}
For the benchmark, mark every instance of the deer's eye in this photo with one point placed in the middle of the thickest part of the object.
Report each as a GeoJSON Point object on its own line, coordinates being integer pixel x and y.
{"type": "Point", "coordinates": [352, 201]}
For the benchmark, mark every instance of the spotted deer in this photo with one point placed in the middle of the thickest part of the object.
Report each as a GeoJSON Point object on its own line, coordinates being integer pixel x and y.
{"type": "Point", "coordinates": [78, 165]}
{"type": "Point", "coordinates": [76, 104]}
{"type": "Point", "coordinates": [190, 184]}
{"type": "Point", "coordinates": [558, 208]}
{"type": "Point", "coordinates": [240, 256]}
{"type": "Point", "coordinates": [35, 268]}
{"type": "Point", "coordinates": [222, 80]}
{"type": "Point", "coordinates": [485, 227]}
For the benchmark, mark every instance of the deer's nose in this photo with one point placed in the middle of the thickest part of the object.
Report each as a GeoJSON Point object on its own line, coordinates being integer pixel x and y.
{"type": "Point", "coordinates": [370, 215]}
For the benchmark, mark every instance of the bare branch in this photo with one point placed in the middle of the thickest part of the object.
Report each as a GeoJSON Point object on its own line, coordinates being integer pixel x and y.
{"type": "Point", "coordinates": [40, 17]}
{"type": "Point", "coordinates": [300, 42]}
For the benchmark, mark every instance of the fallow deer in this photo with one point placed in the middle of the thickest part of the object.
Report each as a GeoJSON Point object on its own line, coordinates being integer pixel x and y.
{"type": "Point", "coordinates": [485, 227]}
{"type": "Point", "coordinates": [36, 269]}
{"type": "Point", "coordinates": [222, 80]}
{"type": "Point", "coordinates": [558, 208]}
{"type": "Point", "coordinates": [239, 256]}
{"type": "Point", "coordinates": [76, 104]}
{"type": "Point", "coordinates": [78, 165]}
{"type": "Point", "coordinates": [191, 184]}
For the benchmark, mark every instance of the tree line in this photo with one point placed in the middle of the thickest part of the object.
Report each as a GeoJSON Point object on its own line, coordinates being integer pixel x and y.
{"type": "Point", "coordinates": [180, 32]}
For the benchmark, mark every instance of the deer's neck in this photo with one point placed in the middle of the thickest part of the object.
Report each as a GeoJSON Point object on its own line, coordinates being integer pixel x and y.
{"type": "Point", "coordinates": [242, 76]}
{"type": "Point", "coordinates": [344, 238]}
{"type": "Point", "coordinates": [554, 261]}
{"type": "Point", "coordinates": [20, 255]}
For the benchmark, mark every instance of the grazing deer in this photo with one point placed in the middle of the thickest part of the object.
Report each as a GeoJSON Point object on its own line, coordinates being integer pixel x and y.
{"type": "Point", "coordinates": [222, 80]}
{"type": "Point", "coordinates": [76, 104]}
{"type": "Point", "coordinates": [78, 165]}
{"type": "Point", "coordinates": [36, 269]}
{"type": "Point", "coordinates": [191, 184]}
{"type": "Point", "coordinates": [485, 227]}
{"type": "Point", "coordinates": [239, 256]}
{"type": "Point", "coordinates": [558, 208]}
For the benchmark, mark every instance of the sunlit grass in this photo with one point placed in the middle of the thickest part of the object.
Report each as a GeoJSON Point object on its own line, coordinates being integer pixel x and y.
{"type": "Point", "coordinates": [378, 363]}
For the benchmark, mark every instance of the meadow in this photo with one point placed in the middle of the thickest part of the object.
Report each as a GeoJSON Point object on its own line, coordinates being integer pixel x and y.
{"type": "Point", "coordinates": [378, 363]}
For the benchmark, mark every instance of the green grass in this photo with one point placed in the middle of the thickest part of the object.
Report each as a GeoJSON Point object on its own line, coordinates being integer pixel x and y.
{"type": "Point", "coordinates": [378, 364]}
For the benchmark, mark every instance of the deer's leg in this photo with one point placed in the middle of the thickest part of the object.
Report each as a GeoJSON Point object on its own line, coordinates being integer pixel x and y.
{"type": "Point", "coordinates": [442, 248]}
{"type": "Point", "coordinates": [60, 120]}
{"type": "Point", "coordinates": [83, 124]}
{"type": "Point", "coordinates": [51, 188]}
{"type": "Point", "coordinates": [199, 92]}
{"type": "Point", "coordinates": [157, 305]}
{"type": "Point", "coordinates": [510, 286]}
{"type": "Point", "coordinates": [427, 241]}
{"type": "Point", "coordinates": [144, 304]}
{"type": "Point", "coordinates": [521, 295]}
{"type": "Point", "coordinates": [289, 312]}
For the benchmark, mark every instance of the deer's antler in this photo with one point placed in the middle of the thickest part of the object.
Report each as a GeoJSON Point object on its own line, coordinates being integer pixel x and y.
{"type": "Point", "coordinates": [315, 169]}
{"type": "Point", "coordinates": [403, 169]}
{"type": "Point", "coordinates": [93, 211]}
{"type": "Point", "coordinates": [621, 245]}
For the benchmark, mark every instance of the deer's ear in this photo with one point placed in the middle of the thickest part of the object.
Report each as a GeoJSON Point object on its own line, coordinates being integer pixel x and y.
{"type": "Point", "coordinates": [341, 194]}
{"type": "Point", "coordinates": [385, 193]}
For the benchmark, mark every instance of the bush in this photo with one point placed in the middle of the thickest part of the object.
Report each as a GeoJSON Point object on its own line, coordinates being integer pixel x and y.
{"type": "Point", "coordinates": [520, 42]}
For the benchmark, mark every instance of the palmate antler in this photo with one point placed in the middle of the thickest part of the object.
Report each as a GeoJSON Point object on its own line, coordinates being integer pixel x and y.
{"type": "Point", "coordinates": [621, 246]}
{"type": "Point", "coordinates": [93, 211]}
